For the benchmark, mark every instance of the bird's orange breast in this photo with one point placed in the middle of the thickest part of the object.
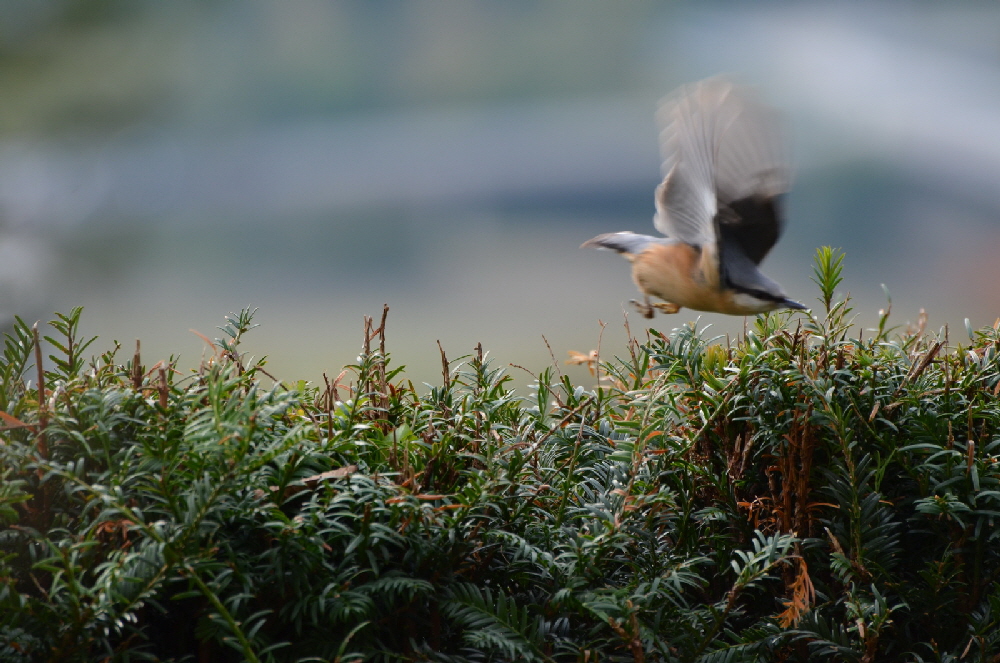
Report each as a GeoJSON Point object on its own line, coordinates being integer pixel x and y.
{"type": "Point", "coordinates": [684, 275]}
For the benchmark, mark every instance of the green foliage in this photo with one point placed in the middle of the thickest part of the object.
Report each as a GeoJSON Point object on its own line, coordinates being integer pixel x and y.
{"type": "Point", "coordinates": [803, 494]}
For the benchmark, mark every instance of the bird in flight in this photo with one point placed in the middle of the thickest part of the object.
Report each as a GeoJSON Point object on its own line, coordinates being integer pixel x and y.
{"type": "Point", "coordinates": [719, 205]}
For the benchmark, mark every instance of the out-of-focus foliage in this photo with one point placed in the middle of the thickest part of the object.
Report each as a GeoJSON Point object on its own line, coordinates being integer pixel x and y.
{"type": "Point", "coordinates": [799, 494]}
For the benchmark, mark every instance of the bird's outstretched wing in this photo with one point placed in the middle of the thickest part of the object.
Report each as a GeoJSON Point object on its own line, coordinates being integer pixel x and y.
{"type": "Point", "coordinates": [725, 166]}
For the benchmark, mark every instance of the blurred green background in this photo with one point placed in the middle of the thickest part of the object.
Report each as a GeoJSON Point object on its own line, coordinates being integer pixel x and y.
{"type": "Point", "coordinates": [162, 164]}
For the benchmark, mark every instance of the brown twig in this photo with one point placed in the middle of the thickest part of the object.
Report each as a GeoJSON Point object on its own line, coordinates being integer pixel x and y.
{"type": "Point", "coordinates": [381, 333]}
{"type": "Point", "coordinates": [915, 372]}
{"type": "Point", "coordinates": [378, 388]}
{"type": "Point", "coordinates": [445, 373]}
{"type": "Point", "coordinates": [597, 363]}
{"type": "Point", "coordinates": [924, 363]}
{"type": "Point", "coordinates": [555, 362]}
{"type": "Point", "coordinates": [478, 414]}
{"type": "Point", "coordinates": [136, 368]}
{"type": "Point", "coordinates": [43, 415]}
{"type": "Point", "coordinates": [164, 388]}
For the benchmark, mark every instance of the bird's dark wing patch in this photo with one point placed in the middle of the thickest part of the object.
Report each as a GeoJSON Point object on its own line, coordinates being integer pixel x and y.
{"type": "Point", "coordinates": [740, 273]}
{"type": "Point", "coordinates": [753, 224]}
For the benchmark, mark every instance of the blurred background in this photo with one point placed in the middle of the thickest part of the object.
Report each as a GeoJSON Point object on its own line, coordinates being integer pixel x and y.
{"type": "Point", "coordinates": [163, 164]}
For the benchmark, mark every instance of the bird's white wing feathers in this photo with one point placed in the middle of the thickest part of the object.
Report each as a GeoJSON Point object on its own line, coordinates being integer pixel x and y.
{"type": "Point", "coordinates": [719, 144]}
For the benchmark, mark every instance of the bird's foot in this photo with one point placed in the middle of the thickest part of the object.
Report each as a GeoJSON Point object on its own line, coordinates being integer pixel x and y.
{"type": "Point", "coordinates": [666, 307]}
{"type": "Point", "coordinates": [645, 308]}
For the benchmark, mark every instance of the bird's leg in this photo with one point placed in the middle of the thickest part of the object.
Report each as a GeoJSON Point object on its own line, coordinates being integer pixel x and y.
{"type": "Point", "coordinates": [643, 307]}
{"type": "Point", "coordinates": [666, 307]}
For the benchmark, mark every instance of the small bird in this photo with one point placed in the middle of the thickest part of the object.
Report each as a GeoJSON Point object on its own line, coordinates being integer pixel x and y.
{"type": "Point", "coordinates": [726, 172]}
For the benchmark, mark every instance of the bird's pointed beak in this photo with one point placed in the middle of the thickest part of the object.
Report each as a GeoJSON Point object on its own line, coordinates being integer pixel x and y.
{"type": "Point", "coordinates": [791, 303]}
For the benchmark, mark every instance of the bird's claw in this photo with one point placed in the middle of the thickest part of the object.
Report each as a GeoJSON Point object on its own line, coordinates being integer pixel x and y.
{"type": "Point", "coordinates": [648, 309]}
{"type": "Point", "coordinates": [666, 307]}
{"type": "Point", "coordinates": [645, 308]}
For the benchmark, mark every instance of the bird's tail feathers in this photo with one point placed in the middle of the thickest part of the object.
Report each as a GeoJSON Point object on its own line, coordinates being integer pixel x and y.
{"type": "Point", "coordinates": [622, 242]}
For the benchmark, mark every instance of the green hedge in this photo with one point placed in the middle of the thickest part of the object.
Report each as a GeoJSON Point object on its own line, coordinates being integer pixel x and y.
{"type": "Point", "coordinates": [801, 494]}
